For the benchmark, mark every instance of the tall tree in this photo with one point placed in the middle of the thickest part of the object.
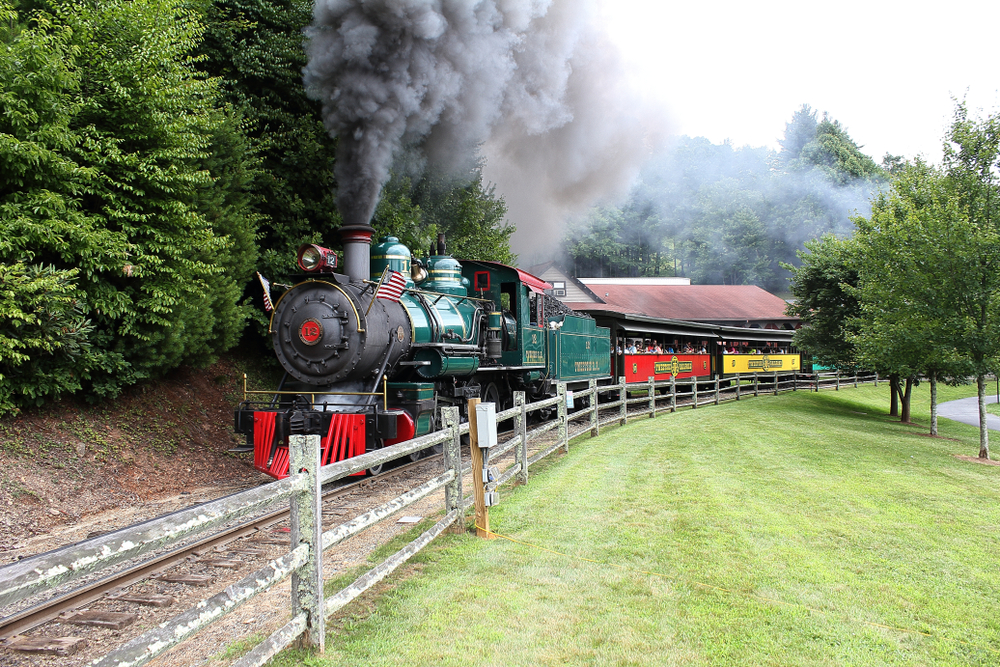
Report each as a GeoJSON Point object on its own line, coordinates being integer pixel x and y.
{"type": "Point", "coordinates": [825, 300]}
{"type": "Point", "coordinates": [122, 170]}
{"type": "Point", "coordinates": [255, 49]}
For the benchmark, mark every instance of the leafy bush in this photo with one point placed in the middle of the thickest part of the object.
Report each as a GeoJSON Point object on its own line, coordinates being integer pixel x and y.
{"type": "Point", "coordinates": [122, 171]}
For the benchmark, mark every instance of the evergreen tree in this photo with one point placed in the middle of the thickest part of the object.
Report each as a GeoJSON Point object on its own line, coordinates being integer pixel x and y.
{"type": "Point", "coordinates": [121, 170]}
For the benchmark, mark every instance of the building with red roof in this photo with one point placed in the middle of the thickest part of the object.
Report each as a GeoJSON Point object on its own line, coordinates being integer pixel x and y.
{"type": "Point", "coordinates": [675, 299]}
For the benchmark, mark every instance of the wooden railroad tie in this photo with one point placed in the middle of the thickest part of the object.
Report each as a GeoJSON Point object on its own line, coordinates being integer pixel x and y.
{"type": "Point", "coordinates": [154, 600]}
{"type": "Point", "coordinates": [216, 561]}
{"type": "Point", "coordinates": [51, 645]}
{"type": "Point", "coordinates": [187, 579]}
{"type": "Point", "coordinates": [100, 619]}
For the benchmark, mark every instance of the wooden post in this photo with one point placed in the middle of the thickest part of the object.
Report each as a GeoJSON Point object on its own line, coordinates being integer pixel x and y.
{"type": "Point", "coordinates": [595, 425]}
{"type": "Point", "coordinates": [482, 511]}
{"type": "Point", "coordinates": [737, 386]}
{"type": "Point", "coordinates": [816, 379]}
{"type": "Point", "coordinates": [563, 417]}
{"type": "Point", "coordinates": [716, 391]}
{"type": "Point", "coordinates": [651, 388]}
{"type": "Point", "coordinates": [795, 381]}
{"type": "Point", "coordinates": [756, 385]}
{"type": "Point", "coordinates": [521, 426]}
{"type": "Point", "coordinates": [623, 409]}
{"type": "Point", "coordinates": [855, 378]}
{"type": "Point", "coordinates": [694, 391]}
{"type": "Point", "coordinates": [307, 528]}
{"type": "Point", "coordinates": [453, 459]}
{"type": "Point", "coordinates": [876, 379]}
{"type": "Point", "coordinates": [838, 380]}
{"type": "Point", "coordinates": [673, 394]}
{"type": "Point", "coordinates": [775, 383]}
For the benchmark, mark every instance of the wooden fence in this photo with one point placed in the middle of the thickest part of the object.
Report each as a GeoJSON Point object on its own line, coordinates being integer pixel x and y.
{"type": "Point", "coordinates": [594, 408]}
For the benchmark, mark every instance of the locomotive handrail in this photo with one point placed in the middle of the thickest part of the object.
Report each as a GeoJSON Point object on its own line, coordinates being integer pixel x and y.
{"type": "Point", "coordinates": [312, 394]}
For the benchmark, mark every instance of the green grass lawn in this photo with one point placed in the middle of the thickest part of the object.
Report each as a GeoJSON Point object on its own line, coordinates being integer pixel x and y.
{"type": "Point", "coordinates": [804, 529]}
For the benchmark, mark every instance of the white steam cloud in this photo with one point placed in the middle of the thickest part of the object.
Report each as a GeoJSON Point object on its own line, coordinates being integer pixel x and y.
{"type": "Point", "coordinates": [533, 82]}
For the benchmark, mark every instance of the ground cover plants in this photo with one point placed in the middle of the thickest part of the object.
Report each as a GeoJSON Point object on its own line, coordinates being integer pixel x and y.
{"type": "Point", "coordinates": [804, 529]}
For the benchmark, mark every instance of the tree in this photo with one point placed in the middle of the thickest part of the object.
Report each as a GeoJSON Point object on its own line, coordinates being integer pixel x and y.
{"type": "Point", "coordinates": [121, 169]}
{"type": "Point", "coordinates": [254, 49]}
{"type": "Point", "coordinates": [971, 161]}
{"type": "Point", "coordinates": [825, 301]}
{"type": "Point", "coordinates": [905, 287]}
{"type": "Point", "coordinates": [931, 279]}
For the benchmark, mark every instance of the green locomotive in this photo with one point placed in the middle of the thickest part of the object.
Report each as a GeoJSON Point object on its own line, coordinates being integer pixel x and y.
{"type": "Point", "coordinates": [368, 367]}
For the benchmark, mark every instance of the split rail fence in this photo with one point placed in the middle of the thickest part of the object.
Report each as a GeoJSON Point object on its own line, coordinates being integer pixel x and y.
{"type": "Point", "coordinates": [599, 406]}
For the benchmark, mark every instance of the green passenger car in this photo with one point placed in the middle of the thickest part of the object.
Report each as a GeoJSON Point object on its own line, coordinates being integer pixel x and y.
{"type": "Point", "coordinates": [578, 349]}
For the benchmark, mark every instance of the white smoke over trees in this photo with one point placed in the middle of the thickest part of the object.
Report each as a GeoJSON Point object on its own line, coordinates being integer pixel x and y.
{"type": "Point", "coordinates": [531, 83]}
{"type": "Point", "coordinates": [725, 215]}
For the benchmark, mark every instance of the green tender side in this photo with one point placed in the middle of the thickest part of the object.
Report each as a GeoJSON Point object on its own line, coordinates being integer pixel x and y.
{"type": "Point", "coordinates": [579, 350]}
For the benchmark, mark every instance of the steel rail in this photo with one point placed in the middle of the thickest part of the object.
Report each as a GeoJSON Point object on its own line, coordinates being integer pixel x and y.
{"type": "Point", "coordinates": [44, 612]}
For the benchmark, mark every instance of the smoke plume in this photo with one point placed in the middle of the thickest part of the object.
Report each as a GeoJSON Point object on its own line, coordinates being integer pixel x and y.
{"type": "Point", "coordinates": [531, 82]}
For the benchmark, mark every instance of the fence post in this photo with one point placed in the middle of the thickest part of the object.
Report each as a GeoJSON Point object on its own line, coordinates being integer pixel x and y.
{"type": "Point", "coordinates": [623, 410]}
{"type": "Point", "coordinates": [816, 380]}
{"type": "Point", "coordinates": [453, 459]}
{"type": "Point", "coordinates": [737, 386]}
{"type": "Point", "coordinates": [652, 396]}
{"type": "Point", "coordinates": [838, 379]}
{"type": "Point", "coordinates": [855, 378]}
{"type": "Point", "coordinates": [307, 528]}
{"type": "Point", "coordinates": [876, 379]}
{"type": "Point", "coordinates": [595, 425]}
{"type": "Point", "coordinates": [562, 416]}
{"type": "Point", "coordinates": [716, 391]}
{"type": "Point", "coordinates": [775, 383]}
{"type": "Point", "coordinates": [694, 392]}
{"type": "Point", "coordinates": [521, 426]}
{"type": "Point", "coordinates": [673, 394]}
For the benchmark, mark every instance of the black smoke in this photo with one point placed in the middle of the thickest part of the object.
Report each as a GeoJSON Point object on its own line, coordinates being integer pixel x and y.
{"type": "Point", "coordinates": [532, 83]}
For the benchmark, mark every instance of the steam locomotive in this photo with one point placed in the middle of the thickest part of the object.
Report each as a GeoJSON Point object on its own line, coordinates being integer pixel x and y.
{"type": "Point", "coordinates": [368, 368]}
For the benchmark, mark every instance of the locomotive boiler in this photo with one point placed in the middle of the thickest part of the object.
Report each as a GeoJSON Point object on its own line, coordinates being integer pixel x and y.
{"type": "Point", "coordinates": [367, 367]}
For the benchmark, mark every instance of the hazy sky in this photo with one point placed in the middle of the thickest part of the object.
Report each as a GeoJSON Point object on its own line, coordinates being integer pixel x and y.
{"type": "Point", "coordinates": [886, 70]}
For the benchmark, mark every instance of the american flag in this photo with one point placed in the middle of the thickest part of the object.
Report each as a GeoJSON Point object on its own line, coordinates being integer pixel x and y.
{"type": "Point", "coordinates": [268, 306]}
{"type": "Point", "coordinates": [391, 286]}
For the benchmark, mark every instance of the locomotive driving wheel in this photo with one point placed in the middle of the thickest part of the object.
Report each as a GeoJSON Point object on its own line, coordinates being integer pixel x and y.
{"type": "Point", "coordinates": [491, 394]}
{"type": "Point", "coordinates": [376, 469]}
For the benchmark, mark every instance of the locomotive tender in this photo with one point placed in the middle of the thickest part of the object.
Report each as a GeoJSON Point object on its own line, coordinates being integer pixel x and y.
{"type": "Point", "coordinates": [367, 372]}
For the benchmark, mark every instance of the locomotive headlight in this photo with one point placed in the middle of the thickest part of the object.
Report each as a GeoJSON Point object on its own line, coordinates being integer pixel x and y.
{"type": "Point", "coordinates": [316, 258]}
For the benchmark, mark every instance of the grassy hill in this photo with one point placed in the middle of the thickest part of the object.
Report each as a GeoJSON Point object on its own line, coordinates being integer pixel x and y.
{"type": "Point", "coordinates": [805, 529]}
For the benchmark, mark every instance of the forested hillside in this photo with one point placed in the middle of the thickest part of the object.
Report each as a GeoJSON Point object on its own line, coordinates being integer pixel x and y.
{"type": "Point", "coordinates": [154, 154]}
{"type": "Point", "coordinates": [721, 214]}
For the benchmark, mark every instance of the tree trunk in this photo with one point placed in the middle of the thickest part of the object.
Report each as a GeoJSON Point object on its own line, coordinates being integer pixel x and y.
{"type": "Point", "coordinates": [934, 430]}
{"type": "Point", "coordinates": [894, 393]}
{"type": "Point", "coordinates": [905, 414]}
{"type": "Point", "coordinates": [984, 436]}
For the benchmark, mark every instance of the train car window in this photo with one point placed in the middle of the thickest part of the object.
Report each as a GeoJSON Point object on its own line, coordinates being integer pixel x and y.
{"type": "Point", "coordinates": [533, 304]}
{"type": "Point", "coordinates": [508, 297]}
{"type": "Point", "coordinates": [482, 281]}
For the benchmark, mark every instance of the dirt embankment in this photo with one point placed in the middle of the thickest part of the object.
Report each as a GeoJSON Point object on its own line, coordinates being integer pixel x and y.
{"type": "Point", "coordinates": [64, 464]}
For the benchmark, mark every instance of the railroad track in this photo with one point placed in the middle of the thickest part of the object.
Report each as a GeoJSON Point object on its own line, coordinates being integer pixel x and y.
{"type": "Point", "coordinates": [210, 550]}
{"type": "Point", "coordinates": [62, 606]}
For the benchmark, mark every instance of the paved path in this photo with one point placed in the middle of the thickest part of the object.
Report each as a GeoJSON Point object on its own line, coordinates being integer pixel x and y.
{"type": "Point", "coordinates": [966, 410]}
